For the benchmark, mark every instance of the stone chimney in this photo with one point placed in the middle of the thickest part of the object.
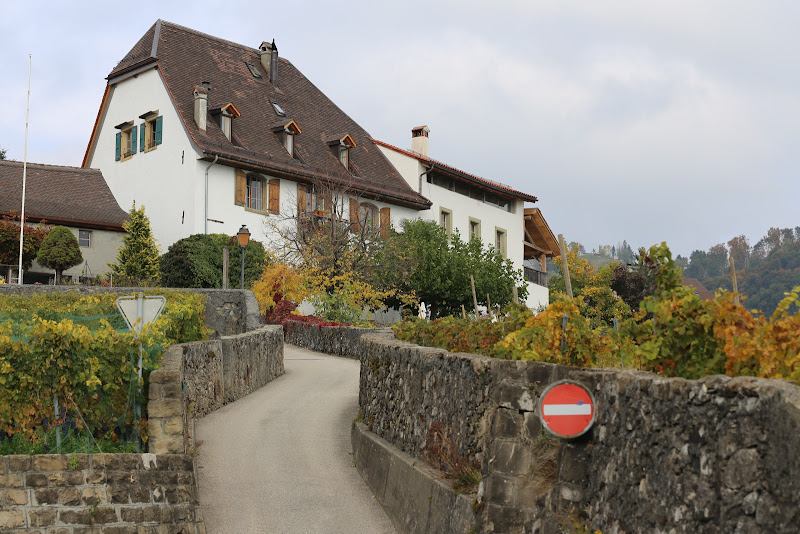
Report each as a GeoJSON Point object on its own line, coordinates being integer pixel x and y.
{"type": "Point", "coordinates": [269, 60]}
{"type": "Point", "coordinates": [419, 140]}
{"type": "Point", "coordinates": [201, 106]}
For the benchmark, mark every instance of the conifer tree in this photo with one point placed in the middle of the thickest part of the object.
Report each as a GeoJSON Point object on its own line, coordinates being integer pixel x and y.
{"type": "Point", "coordinates": [137, 260]}
{"type": "Point", "coordinates": [59, 251]}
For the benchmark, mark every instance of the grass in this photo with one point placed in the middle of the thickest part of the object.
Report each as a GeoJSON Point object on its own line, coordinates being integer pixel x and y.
{"type": "Point", "coordinates": [72, 441]}
{"type": "Point", "coordinates": [443, 454]}
{"type": "Point", "coordinates": [544, 468]}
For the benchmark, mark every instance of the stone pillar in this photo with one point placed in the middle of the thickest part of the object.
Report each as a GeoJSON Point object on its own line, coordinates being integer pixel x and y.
{"type": "Point", "coordinates": [165, 425]}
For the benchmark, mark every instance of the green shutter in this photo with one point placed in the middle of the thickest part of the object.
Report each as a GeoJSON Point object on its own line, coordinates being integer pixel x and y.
{"type": "Point", "coordinates": [119, 146]}
{"type": "Point", "coordinates": [142, 130]}
{"type": "Point", "coordinates": [133, 140]}
{"type": "Point", "coordinates": [158, 129]}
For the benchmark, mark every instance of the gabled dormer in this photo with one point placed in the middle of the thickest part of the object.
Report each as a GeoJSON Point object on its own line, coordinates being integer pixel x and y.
{"type": "Point", "coordinates": [286, 130]}
{"type": "Point", "coordinates": [341, 145]}
{"type": "Point", "coordinates": [224, 116]}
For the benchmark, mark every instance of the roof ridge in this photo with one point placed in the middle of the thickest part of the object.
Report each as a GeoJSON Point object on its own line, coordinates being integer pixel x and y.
{"type": "Point", "coordinates": [203, 34]}
{"type": "Point", "coordinates": [49, 165]}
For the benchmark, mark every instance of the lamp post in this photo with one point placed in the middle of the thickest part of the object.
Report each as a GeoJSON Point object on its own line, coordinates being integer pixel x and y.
{"type": "Point", "coordinates": [244, 238]}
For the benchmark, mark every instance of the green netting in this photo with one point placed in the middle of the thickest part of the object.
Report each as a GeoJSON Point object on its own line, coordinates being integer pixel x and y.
{"type": "Point", "coordinates": [18, 319]}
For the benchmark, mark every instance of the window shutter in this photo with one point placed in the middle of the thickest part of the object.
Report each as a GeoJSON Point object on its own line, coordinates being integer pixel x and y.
{"type": "Point", "coordinates": [355, 224]}
{"type": "Point", "coordinates": [301, 199]}
{"type": "Point", "coordinates": [142, 130]}
{"type": "Point", "coordinates": [241, 187]}
{"type": "Point", "coordinates": [118, 153]}
{"type": "Point", "coordinates": [386, 222]}
{"type": "Point", "coordinates": [158, 129]}
{"type": "Point", "coordinates": [133, 140]}
{"type": "Point", "coordinates": [274, 196]}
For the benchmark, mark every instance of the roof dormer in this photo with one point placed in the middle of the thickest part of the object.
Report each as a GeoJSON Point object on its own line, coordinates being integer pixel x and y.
{"type": "Point", "coordinates": [341, 145]}
{"type": "Point", "coordinates": [287, 130]}
{"type": "Point", "coordinates": [225, 115]}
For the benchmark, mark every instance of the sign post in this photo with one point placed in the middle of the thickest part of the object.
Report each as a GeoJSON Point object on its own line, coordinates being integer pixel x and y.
{"type": "Point", "coordinates": [139, 312]}
{"type": "Point", "coordinates": [567, 409]}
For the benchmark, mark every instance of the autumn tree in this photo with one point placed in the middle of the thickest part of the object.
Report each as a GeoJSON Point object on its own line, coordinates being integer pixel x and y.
{"type": "Point", "coordinates": [137, 260]}
{"type": "Point", "coordinates": [740, 251]}
{"type": "Point", "coordinates": [9, 242]}
{"type": "Point", "coordinates": [59, 251]}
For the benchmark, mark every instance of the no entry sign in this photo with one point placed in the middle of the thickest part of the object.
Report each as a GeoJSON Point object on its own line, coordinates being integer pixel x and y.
{"type": "Point", "coordinates": [566, 409]}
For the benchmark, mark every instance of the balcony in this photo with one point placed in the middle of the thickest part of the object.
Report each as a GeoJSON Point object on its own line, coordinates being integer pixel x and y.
{"type": "Point", "coordinates": [535, 277]}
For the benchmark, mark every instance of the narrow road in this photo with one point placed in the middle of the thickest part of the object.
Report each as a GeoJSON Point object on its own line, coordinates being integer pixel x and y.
{"type": "Point", "coordinates": [280, 459]}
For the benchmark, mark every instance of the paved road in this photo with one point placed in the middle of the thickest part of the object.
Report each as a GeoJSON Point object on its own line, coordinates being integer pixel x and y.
{"type": "Point", "coordinates": [280, 459]}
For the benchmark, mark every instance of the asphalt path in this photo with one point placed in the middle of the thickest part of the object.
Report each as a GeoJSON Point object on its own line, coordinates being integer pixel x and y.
{"type": "Point", "coordinates": [280, 459]}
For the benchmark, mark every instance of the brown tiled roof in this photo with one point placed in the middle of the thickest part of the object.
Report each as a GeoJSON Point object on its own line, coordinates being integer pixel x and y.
{"type": "Point", "coordinates": [699, 289]}
{"type": "Point", "coordinates": [62, 195]}
{"type": "Point", "coordinates": [489, 184]}
{"type": "Point", "coordinates": [187, 57]}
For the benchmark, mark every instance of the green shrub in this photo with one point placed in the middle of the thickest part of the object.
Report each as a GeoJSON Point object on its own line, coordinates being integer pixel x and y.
{"type": "Point", "coordinates": [196, 261]}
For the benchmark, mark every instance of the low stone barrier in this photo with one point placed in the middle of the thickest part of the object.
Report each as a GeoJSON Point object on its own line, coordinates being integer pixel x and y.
{"type": "Point", "coordinates": [718, 454]}
{"type": "Point", "coordinates": [199, 377]}
{"type": "Point", "coordinates": [337, 340]}
{"type": "Point", "coordinates": [99, 493]}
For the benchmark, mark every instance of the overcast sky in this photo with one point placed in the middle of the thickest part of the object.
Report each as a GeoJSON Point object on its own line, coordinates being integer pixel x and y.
{"type": "Point", "coordinates": [647, 121]}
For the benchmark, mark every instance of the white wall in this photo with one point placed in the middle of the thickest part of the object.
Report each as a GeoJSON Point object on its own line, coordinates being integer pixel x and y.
{"type": "Point", "coordinates": [164, 179]}
{"type": "Point", "coordinates": [103, 250]}
{"type": "Point", "coordinates": [538, 296]}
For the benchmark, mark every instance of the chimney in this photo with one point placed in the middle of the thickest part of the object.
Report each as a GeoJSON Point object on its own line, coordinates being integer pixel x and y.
{"type": "Point", "coordinates": [201, 106]}
{"type": "Point", "coordinates": [269, 60]}
{"type": "Point", "coordinates": [419, 140]}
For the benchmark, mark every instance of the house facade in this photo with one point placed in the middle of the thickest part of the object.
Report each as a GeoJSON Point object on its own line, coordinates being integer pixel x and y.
{"type": "Point", "coordinates": [477, 207]}
{"type": "Point", "coordinates": [211, 135]}
{"type": "Point", "coordinates": [68, 196]}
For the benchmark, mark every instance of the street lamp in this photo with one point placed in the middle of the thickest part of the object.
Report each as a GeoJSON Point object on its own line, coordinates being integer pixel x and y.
{"type": "Point", "coordinates": [244, 238]}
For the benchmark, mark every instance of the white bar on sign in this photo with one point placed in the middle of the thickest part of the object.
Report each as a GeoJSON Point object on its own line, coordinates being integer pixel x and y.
{"type": "Point", "coordinates": [567, 409]}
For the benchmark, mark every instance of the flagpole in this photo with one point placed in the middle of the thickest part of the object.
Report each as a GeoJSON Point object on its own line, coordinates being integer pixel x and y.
{"type": "Point", "coordinates": [24, 174]}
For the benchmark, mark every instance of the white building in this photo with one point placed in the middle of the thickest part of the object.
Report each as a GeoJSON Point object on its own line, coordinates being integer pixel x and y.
{"type": "Point", "coordinates": [68, 196]}
{"type": "Point", "coordinates": [211, 135]}
{"type": "Point", "coordinates": [477, 207]}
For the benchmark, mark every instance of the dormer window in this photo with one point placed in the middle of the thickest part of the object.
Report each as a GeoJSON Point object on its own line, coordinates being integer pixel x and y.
{"type": "Point", "coordinates": [225, 115]}
{"type": "Point", "coordinates": [341, 145]}
{"type": "Point", "coordinates": [286, 132]}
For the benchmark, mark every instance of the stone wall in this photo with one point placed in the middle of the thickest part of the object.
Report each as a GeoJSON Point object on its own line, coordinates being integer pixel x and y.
{"type": "Point", "coordinates": [228, 311]}
{"type": "Point", "coordinates": [199, 377]}
{"type": "Point", "coordinates": [336, 340]}
{"type": "Point", "coordinates": [99, 493]}
{"type": "Point", "coordinates": [664, 455]}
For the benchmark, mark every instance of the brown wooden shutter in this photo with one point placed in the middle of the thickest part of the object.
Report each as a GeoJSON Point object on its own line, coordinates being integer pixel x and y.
{"type": "Point", "coordinates": [355, 224]}
{"type": "Point", "coordinates": [241, 187]}
{"type": "Point", "coordinates": [301, 199]}
{"type": "Point", "coordinates": [275, 196]}
{"type": "Point", "coordinates": [386, 222]}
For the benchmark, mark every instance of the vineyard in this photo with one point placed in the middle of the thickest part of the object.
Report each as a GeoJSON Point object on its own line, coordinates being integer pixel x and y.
{"type": "Point", "coordinates": [68, 363]}
{"type": "Point", "coordinates": [673, 333]}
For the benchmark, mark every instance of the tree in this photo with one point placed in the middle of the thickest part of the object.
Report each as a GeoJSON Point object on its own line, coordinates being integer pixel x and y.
{"type": "Point", "coordinates": [740, 252]}
{"type": "Point", "coordinates": [196, 261]}
{"type": "Point", "coordinates": [59, 251]}
{"type": "Point", "coordinates": [2, 153]}
{"type": "Point", "coordinates": [437, 269]}
{"type": "Point", "coordinates": [137, 260]}
{"type": "Point", "coordinates": [625, 252]}
{"type": "Point", "coordinates": [9, 242]}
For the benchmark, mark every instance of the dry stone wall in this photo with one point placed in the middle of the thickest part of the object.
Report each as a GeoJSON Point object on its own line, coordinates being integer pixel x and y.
{"type": "Point", "coordinates": [336, 340]}
{"type": "Point", "coordinates": [99, 494]}
{"type": "Point", "coordinates": [664, 455]}
{"type": "Point", "coordinates": [199, 377]}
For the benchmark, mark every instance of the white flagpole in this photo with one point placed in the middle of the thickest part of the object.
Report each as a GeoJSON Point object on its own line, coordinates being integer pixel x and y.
{"type": "Point", "coordinates": [24, 174]}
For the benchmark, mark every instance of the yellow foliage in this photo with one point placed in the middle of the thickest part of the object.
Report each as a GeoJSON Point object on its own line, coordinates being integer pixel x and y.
{"type": "Point", "coordinates": [278, 279]}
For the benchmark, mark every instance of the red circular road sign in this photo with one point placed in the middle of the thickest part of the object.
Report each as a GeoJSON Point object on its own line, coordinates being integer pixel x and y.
{"type": "Point", "coordinates": [566, 409]}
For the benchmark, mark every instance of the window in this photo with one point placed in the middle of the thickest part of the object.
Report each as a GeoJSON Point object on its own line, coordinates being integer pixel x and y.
{"type": "Point", "coordinates": [340, 146]}
{"type": "Point", "coordinates": [288, 142]}
{"type": "Point", "coordinates": [150, 131]}
{"type": "Point", "coordinates": [126, 141]}
{"type": "Point", "coordinates": [278, 109]}
{"type": "Point", "coordinates": [225, 124]}
{"type": "Point", "coordinates": [368, 215]}
{"type": "Point", "coordinates": [253, 70]}
{"type": "Point", "coordinates": [474, 228]}
{"type": "Point", "coordinates": [500, 241]}
{"type": "Point", "coordinates": [254, 197]}
{"type": "Point", "coordinates": [85, 238]}
{"type": "Point", "coordinates": [344, 156]}
{"type": "Point", "coordinates": [446, 220]}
